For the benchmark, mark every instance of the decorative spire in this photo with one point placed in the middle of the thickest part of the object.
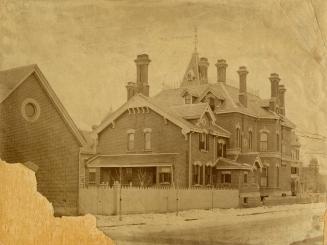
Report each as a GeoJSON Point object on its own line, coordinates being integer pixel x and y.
{"type": "Point", "coordinates": [195, 39]}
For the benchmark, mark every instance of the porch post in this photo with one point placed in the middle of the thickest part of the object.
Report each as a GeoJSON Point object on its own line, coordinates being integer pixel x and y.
{"type": "Point", "coordinates": [157, 176]}
{"type": "Point", "coordinates": [172, 175]}
{"type": "Point", "coordinates": [203, 174]}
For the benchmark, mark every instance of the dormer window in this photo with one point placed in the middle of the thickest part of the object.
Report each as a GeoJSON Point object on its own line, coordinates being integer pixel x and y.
{"type": "Point", "coordinates": [188, 99]}
{"type": "Point", "coordinates": [219, 103]}
{"type": "Point", "coordinates": [190, 76]}
{"type": "Point", "coordinates": [212, 103]}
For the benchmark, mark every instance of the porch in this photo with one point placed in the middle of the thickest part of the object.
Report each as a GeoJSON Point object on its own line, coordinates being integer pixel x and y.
{"type": "Point", "coordinates": [139, 170]}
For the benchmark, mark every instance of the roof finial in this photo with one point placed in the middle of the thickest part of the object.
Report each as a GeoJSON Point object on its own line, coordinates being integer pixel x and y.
{"type": "Point", "coordinates": [195, 39]}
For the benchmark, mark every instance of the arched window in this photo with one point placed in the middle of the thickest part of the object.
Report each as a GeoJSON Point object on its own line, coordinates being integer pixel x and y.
{"type": "Point", "coordinates": [250, 140]}
{"type": "Point", "coordinates": [263, 142]}
{"type": "Point", "coordinates": [130, 139]}
{"type": "Point", "coordinates": [147, 139]}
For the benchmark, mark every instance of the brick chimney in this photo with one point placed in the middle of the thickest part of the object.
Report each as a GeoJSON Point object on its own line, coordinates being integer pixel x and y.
{"type": "Point", "coordinates": [203, 70]}
{"type": "Point", "coordinates": [274, 81]}
{"type": "Point", "coordinates": [282, 91]}
{"type": "Point", "coordinates": [131, 90]}
{"type": "Point", "coordinates": [221, 71]}
{"type": "Point", "coordinates": [242, 97]}
{"type": "Point", "coordinates": [142, 63]}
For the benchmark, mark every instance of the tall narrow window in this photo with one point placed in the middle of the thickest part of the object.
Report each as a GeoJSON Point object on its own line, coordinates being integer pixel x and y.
{"type": "Point", "coordinates": [221, 148]}
{"type": "Point", "coordinates": [263, 142]}
{"type": "Point", "coordinates": [245, 177]}
{"type": "Point", "coordinates": [277, 142]}
{"type": "Point", "coordinates": [196, 174]}
{"type": "Point", "coordinates": [250, 140]}
{"type": "Point", "coordinates": [238, 137]}
{"type": "Point", "coordinates": [203, 142]}
{"type": "Point", "coordinates": [130, 139]}
{"type": "Point", "coordinates": [297, 154]}
{"type": "Point", "coordinates": [208, 175]}
{"type": "Point", "coordinates": [264, 177]}
{"type": "Point", "coordinates": [147, 139]}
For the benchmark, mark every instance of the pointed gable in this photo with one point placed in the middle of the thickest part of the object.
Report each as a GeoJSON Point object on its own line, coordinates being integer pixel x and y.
{"type": "Point", "coordinates": [191, 76]}
{"type": "Point", "coordinates": [11, 79]}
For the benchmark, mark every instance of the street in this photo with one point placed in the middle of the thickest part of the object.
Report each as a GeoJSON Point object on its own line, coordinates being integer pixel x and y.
{"type": "Point", "coordinates": [290, 224]}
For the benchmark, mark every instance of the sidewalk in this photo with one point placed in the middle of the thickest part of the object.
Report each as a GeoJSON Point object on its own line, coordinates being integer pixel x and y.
{"type": "Point", "coordinates": [198, 216]}
{"type": "Point", "coordinates": [262, 225]}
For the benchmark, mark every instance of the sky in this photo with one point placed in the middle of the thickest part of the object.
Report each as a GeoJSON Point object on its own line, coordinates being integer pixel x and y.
{"type": "Point", "coordinates": [86, 49]}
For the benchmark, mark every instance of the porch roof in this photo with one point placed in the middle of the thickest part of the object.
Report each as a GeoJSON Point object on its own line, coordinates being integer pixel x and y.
{"type": "Point", "coordinates": [224, 163]}
{"type": "Point", "coordinates": [250, 158]}
{"type": "Point", "coordinates": [132, 160]}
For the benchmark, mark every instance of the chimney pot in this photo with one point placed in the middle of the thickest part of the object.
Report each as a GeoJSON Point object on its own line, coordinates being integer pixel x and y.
{"type": "Point", "coordinates": [242, 72]}
{"type": "Point", "coordinates": [282, 91]}
{"type": "Point", "coordinates": [142, 63]}
{"type": "Point", "coordinates": [274, 100]}
{"type": "Point", "coordinates": [221, 70]}
{"type": "Point", "coordinates": [131, 90]}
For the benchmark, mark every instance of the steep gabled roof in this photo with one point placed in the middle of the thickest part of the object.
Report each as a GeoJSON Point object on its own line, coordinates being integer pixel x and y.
{"type": "Point", "coordinates": [12, 78]}
{"type": "Point", "coordinates": [192, 111]}
{"type": "Point", "coordinates": [175, 115]}
{"type": "Point", "coordinates": [9, 79]}
{"type": "Point", "coordinates": [250, 158]}
{"type": "Point", "coordinates": [139, 101]}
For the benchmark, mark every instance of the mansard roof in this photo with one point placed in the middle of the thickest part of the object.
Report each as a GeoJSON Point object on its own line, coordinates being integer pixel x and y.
{"type": "Point", "coordinates": [12, 78]}
{"type": "Point", "coordinates": [171, 113]}
{"type": "Point", "coordinates": [256, 106]}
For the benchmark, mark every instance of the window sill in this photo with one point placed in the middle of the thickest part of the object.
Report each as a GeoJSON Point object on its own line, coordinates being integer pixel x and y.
{"type": "Point", "coordinates": [205, 151]}
{"type": "Point", "coordinates": [165, 183]}
{"type": "Point", "coordinates": [132, 151]}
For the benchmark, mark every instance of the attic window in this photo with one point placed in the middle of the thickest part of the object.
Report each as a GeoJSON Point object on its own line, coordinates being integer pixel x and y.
{"type": "Point", "coordinates": [212, 104]}
{"type": "Point", "coordinates": [188, 99]}
{"type": "Point", "coordinates": [30, 110]}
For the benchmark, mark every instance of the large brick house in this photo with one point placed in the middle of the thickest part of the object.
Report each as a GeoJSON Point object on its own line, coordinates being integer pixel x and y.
{"type": "Point", "coordinates": [202, 134]}
{"type": "Point", "coordinates": [36, 130]}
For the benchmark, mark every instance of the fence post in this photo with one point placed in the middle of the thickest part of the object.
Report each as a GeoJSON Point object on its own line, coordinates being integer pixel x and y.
{"type": "Point", "coordinates": [177, 202]}
{"type": "Point", "coordinates": [117, 197]}
{"type": "Point", "coordinates": [212, 198]}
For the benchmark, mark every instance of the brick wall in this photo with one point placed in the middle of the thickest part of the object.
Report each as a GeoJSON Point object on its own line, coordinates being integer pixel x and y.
{"type": "Point", "coordinates": [166, 137]}
{"type": "Point", "coordinates": [47, 142]}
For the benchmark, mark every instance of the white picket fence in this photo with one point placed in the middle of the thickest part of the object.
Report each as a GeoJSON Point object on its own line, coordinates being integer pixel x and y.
{"type": "Point", "coordinates": [111, 200]}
